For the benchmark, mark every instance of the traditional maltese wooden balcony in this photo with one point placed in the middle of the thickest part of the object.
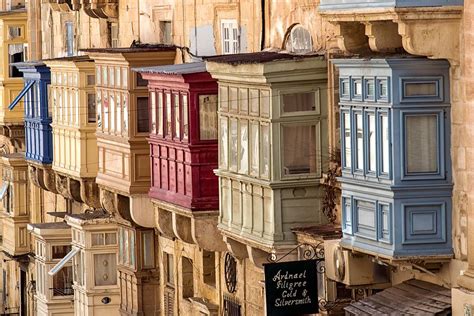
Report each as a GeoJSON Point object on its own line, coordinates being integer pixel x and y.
{"type": "Point", "coordinates": [54, 293]}
{"type": "Point", "coordinates": [73, 103]}
{"type": "Point", "coordinates": [123, 128]}
{"type": "Point", "coordinates": [396, 191]}
{"type": "Point", "coordinates": [13, 193]}
{"type": "Point", "coordinates": [14, 39]}
{"type": "Point", "coordinates": [39, 143]}
{"type": "Point", "coordinates": [183, 145]}
{"type": "Point", "coordinates": [272, 146]}
{"type": "Point", "coordinates": [94, 260]}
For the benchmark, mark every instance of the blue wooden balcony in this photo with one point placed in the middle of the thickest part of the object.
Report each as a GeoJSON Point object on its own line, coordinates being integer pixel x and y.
{"type": "Point", "coordinates": [396, 166]}
{"type": "Point", "coordinates": [38, 132]}
{"type": "Point", "coordinates": [329, 5]}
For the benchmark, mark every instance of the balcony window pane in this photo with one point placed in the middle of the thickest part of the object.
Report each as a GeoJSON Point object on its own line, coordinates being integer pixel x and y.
{"type": "Point", "coordinates": [112, 111]}
{"type": "Point", "coordinates": [118, 112]}
{"type": "Point", "coordinates": [106, 111]}
{"type": "Point", "coordinates": [223, 152]}
{"type": "Point", "coordinates": [125, 113]}
{"type": "Point", "coordinates": [372, 144]}
{"type": "Point", "coordinates": [142, 115]}
{"type": "Point", "coordinates": [105, 82]}
{"type": "Point", "coordinates": [132, 248]}
{"type": "Point", "coordinates": [299, 149]}
{"type": "Point", "coordinates": [111, 76]}
{"type": "Point", "coordinates": [148, 249]}
{"type": "Point", "coordinates": [383, 88]}
{"type": "Point", "coordinates": [159, 118]}
{"type": "Point", "coordinates": [169, 267]}
{"type": "Point", "coordinates": [124, 78]}
{"type": "Point", "coordinates": [233, 145]}
{"type": "Point", "coordinates": [98, 239]}
{"type": "Point", "coordinates": [16, 53]}
{"type": "Point", "coordinates": [296, 102]}
{"type": "Point", "coordinates": [177, 117]}
{"type": "Point", "coordinates": [358, 87]}
{"type": "Point", "coordinates": [153, 112]}
{"type": "Point", "coordinates": [105, 269]}
{"type": "Point", "coordinates": [265, 161]}
{"type": "Point", "coordinates": [208, 117]}
{"type": "Point", "coordinates": [244, 151]}
{"type": "Point", "coordinates": [62, 282]}
{"type": "Point", "coordinates": [110, 238]}
{"type": "Point", "coordinates": [384, 127]}
{"type": "Point", "coordinates": [99, 111]}
{"type": "Point", "coordinates": [360, 141]}
{"type": "Point", "coordinates": [347, 140]}
{"type": "Point", "coordinates": [254, 148]}
{"type": "Point", "coordinates": [59, 252]}
{"type": "Point", "coordinates": [185, 117]}
{"type": "Point", "coordinates": [421, 143]}
{"type": "Point", "coordinates": [168, 114]}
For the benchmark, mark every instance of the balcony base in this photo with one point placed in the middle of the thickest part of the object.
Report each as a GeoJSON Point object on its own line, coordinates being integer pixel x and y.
{"type": "Point", "coordinates": [42, 176]}
{"type": "Point", "coordinates": [423, 31]}
{"type": "Point", "coordinates": [192, 227]}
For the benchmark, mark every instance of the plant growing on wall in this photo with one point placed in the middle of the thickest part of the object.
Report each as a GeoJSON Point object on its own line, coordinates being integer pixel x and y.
{"type": "Point", "coordinates": [331, 186]}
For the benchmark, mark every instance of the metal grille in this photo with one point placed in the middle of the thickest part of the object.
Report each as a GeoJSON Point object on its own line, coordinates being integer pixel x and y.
{"type": "Point", "coordinates": [231, 306]}
{"type": "Point", "coordinates": [169, 301]}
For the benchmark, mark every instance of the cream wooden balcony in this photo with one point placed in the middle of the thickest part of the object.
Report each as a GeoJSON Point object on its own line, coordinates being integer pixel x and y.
{"type": "Point", "coordinates": [272, 146]}
{"type": "Point", "coordinates": [73, 100]}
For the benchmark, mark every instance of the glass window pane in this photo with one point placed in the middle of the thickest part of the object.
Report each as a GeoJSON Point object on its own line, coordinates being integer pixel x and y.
{"type": "Point", "coordinates": [124, 78]}
{"type": "Point", "coordinates": [254, 148]}
{"type": "Point", "coordinates": [383, 88]}
{"type": "Point", "coordinates": [132, 248]}
{"type": "Point", "coordinates": [169, 264]}
{"type": "Point", "coordinates": [159, 117]}
{"type": "Point", "coordinates": [168, 114]}
{"type": "Point", "coordinates": [185, 117]}
{"type": "Point", "coordinates": [148, 249]}
{"type": "Point", "coordinates": [105, 269]}
{"type": "Point", "coordinates": [233, 145]}
{"type": "Point", "coordinates": [357, 87]}
{"type": "Point", "coordinates": [223, 152]}
{"type": "Point", "coordinates": [110, 238]}
{"type": "Point", "coordinates": [99, 111]}
{"type": "Point", "coordinates": [153, 112]}
{"type": "Point", "coordinates": [106, 110]}
{"type": "Point", "coordinates": [416, 89]}
{"type": "Point", "coordinates": [370, 88]}
{"type": "Point", "coordinates": [59, 252]}
{"type": "Point", "coordinates": [299, 149]}
{"type": "Point", "coordinates": [296, 102]}
{"type": "Point", "coordinates": [347, 140]}
{"type": "Point", "coordinates": [125, 112]}
{"type": "Point", "coordinates": [98, 239]}
{"type": "Point", "coordinates": [118, 112]}
{"type": "Point", "coordinates": [384, 127]}
{"type": "Point", "coordinates": [422, 143]}
{"type": "Point", "coordinates": [62, 282]}
{"type": "Point", "coordinates": [142, 115]}
{"type": "Point", "coordinates": [265, 161]}
{"type": "Point", "coordinates": [244, 151]}
{"type": "Point", "coordinates": [372, 143]}
{"type": "Point", "coordinates": [208, 117]}
{"type": "Point", "coordinates": [112, 111]}
{"type": "Point", "coordinates": [360, 141]}
{"type": "Point", "coordinates": [177, 117]}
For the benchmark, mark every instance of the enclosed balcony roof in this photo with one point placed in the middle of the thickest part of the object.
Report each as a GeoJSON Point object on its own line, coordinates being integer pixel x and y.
{"type": "Point", "coordinates": [364, 5]}
{"type": "Point", "coordinates": [134, 49]}
{"type": "Point", "coordinates": [259, 57]}
{"type": "Point", "coordinates": [180, 69]}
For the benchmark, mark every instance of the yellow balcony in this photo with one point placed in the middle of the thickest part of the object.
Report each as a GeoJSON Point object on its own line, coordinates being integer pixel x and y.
{"type": "Point", "coordinates": [13, 39]}
{"type": "Point", "coordinates": [73, 100]}
{"type": "Point", "coordinates": [13, 194]}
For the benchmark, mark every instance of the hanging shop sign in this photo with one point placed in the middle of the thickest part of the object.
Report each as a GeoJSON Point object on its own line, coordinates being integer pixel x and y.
{"type": "Point", "coordinates": [291, 288]}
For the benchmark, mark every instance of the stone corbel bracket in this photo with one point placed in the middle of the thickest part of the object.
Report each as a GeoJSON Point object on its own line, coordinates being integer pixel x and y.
{"type": "Point", "coordinates": [105, 9]}
{"type": "Point", "coordinates": [433, 32]}
{"type": "Point", "coordinates": [43, 177]}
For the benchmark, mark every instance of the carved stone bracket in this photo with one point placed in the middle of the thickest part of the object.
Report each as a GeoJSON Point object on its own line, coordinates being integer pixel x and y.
{"type": "Point", "coordinates": [68, 187]}
{"type": "Point", "coordinates": [90, 193]}
{"type": "Point", "coordinates": [425, 31]}
{"type": "Point", "coordinates": [182, 228]}
{"type": "Point", "coordinates": [237, 249]}
{"type": "Point", "coordinates": [164, 222]}
{"type": "Point", "coordinates": [205, 233]}
{"type": "Point", "coordinates": [43, 177]}
{"type": "Point", "coordinates": [104, 9]}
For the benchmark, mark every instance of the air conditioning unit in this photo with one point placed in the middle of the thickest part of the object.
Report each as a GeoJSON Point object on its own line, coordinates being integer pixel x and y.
{"type": "Point", "coordinates": [352, 269]}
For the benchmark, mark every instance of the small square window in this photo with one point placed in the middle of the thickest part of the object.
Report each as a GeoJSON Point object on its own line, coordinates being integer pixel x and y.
{"type": "Point", "coordinates": [298, 102]}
